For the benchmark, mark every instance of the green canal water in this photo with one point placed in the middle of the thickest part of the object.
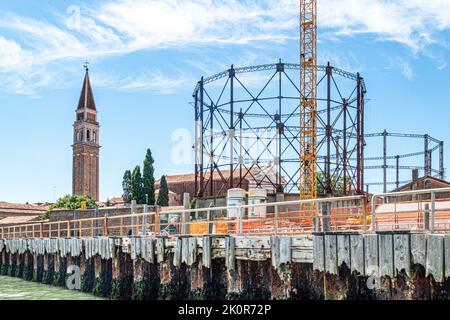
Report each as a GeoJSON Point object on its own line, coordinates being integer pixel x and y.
{"type": "Point", "coordinates": [17, 289]}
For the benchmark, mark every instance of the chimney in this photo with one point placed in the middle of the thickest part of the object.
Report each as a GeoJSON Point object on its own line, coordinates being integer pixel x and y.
{"type": "Point", "coordinates": [415, 175]}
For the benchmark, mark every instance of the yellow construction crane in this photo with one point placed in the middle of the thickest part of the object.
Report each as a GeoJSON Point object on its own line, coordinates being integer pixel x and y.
{"type": "Point", "coordinates": [308, 99]}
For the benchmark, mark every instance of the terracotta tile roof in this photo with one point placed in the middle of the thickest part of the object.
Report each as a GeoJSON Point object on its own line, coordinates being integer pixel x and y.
{"type": "Point", "coordinates": [19, 207]}
{"type": "Point", "coordinates": [18, 220]}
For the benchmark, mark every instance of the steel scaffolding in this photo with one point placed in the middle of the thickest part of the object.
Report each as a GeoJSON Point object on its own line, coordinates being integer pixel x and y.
{"type": "Point", "coordinates": [247, 129]}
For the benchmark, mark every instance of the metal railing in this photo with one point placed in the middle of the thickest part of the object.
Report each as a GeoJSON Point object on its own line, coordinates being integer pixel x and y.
{"type": "Point", "coordinates": [421, 210]}
{"type": "Point", "coordinates": [278, 218]}
{"type": "Point", "coordinates": [417, 210]}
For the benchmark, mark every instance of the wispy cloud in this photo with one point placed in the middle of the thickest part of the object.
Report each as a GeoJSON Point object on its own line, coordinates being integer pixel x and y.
{"type": "Point", "coordinates": [34, 47]}
{"type": "Point", "coordinates": [401, 65]}
{"type": "Point", "coordinates": [414, 23]}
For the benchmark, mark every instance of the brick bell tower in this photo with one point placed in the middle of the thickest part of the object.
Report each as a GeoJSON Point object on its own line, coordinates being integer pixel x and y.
{"type": "Point", "coordinates": [86, 148]}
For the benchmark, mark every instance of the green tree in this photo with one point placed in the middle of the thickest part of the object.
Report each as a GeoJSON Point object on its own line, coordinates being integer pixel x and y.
{"type": "Point", "coordinates": [149, 178]}
{"type": "Point", "coordinates": [137, 187]}
{"type": "Point", "coordinates": [163, 197]}
{"type": "Point", "coordinates": [69, 202]}
{"type": "Point", "coordinates": [337, 184]}
{"type": "Point", "coordinates": [126, 185]}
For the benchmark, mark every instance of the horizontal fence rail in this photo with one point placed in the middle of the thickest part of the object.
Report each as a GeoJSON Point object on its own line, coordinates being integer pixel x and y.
{"type": "Point", "coordinates": [417, 210]}
{"type": "Point", "coordinates": [427, 210]}
{"type": "Point", "coordinates": [279, 218]}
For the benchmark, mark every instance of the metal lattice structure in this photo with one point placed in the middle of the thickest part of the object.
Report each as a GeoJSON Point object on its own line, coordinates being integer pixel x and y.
{"type": "Point", "coordinates": [308, 101]}
{"type": "Point", "coordinates": [419, 155]}
{"type": "Point", "coordinates": [247, 129]}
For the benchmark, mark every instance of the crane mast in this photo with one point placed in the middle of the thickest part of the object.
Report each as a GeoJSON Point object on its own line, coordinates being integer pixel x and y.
{"type": "Point", "coordinates": [308, 99]}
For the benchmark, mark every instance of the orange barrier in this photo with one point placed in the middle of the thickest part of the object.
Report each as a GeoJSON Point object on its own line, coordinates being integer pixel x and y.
{"type": "Point", "coordinates": [199, 228]}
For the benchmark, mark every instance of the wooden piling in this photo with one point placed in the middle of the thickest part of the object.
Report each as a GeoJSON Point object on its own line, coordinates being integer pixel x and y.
{"type": "Point", "coordinates": [318, 253]}
{"type": "Point", "coordinates": [435, 257]}
{"type": "Point", "coordinates": [386, 255]}
{"type": "Point", "coordinates": [206, 252]}
{"type": "Point", "coordinates": [177, 254]}
{"type": "Point", "coordinates": [371, 254]}
{"type": "Point", "coordinates": [402, 260]}
{"type": "Point", "coordinates": [160, 250]}
{"type": "Point", "coordinates": [331, 264]}
{"type": "Point", "coordinates": [343, 245]}
{"type": "Point", "coordinates": [230, 251]}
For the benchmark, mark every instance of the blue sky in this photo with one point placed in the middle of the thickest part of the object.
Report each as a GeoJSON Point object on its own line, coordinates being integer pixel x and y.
{"type": "Point", "coordinates": [146, 56]}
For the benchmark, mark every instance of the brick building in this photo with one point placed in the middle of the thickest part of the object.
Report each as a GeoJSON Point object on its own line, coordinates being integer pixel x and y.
{"type": "Point", "coordinates": [423, 183]}
{"type": "Point", "coordinates": [86, 148]}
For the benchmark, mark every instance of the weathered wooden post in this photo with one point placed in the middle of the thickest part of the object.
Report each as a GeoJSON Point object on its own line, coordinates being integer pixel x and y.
{"type": "Point", "coordinates": [186, 218]}
{"type": "Point", "coordinates": [426, 217]}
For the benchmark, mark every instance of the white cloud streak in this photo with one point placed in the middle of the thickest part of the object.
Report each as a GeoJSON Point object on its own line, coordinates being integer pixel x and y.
{"type": "Point", "coordinates": [33, 48]}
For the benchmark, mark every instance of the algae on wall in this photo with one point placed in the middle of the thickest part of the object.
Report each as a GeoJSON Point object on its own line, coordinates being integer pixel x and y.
{"type": "Point", "coordinates": [102, 284]}
{"type": "Point", "coordinates": [88, 277]}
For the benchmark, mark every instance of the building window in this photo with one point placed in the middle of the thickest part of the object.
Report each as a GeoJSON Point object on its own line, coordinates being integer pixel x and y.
{"type": "Point", "coordinates": [88, 135]}
{"type": "Point", "coordinates": [94, 136]}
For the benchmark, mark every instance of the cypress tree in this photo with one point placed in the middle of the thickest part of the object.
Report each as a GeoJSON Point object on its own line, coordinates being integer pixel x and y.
{"type": "Point", "coordinates": [149, 178]}
{"type": "Point", "coordinates": [163, 197]}
{"type": "Point", "coordinates": [126, 185]}
{"type": "Point", "coordinates": [137, 187]}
